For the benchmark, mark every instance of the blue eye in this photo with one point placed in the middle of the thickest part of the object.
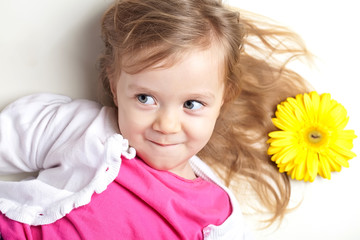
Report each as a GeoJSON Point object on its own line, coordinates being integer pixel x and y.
{"type": "Point", "coordinates": [193, 105]}
{"type": "Point", "coordinates": [145, 99]}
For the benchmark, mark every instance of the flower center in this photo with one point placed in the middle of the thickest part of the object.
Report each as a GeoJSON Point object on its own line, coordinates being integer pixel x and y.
{"type": "Point", "coordinates": [315, 136]}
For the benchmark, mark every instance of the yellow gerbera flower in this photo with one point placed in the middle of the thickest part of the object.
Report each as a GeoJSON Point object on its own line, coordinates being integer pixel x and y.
{"type": "Point", "coordinates": [311, 139]}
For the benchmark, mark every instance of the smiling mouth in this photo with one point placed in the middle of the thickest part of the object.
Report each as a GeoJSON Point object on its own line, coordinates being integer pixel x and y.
{"type": "Point", "coordinates": [164, 144]}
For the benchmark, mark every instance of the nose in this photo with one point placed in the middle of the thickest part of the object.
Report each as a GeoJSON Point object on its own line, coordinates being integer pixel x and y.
{"type": "Point", "coordinates": [167, 122]}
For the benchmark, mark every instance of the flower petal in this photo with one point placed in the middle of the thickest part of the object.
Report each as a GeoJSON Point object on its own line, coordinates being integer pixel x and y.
{"type": "Point", "coordinates": [315, 99]}
{"type": "Point", "coordinates": [309, 108]}
{"type": "Point", "coordinates": [324, 167]}
{"type": "Point", "coordinates": [341, 151]}
{"type": "Point", "coordinates": [312, 164]}
{"type": "Point", "coordinates": [301, 155]}
{"type": "Point", "coordinates": [337, 159]}
{"type": "Point", "coordinates": [300, 170]}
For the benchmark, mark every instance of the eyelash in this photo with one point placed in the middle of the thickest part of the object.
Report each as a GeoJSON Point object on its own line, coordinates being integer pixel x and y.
{"type": "Point", "coordinates": [192, 102]}
{"type": "Point", "coordinates": [145, 99]}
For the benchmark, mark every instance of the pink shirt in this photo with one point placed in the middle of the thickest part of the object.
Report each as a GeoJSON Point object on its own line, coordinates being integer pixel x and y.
{"type": "Point", "coordinates": [142, 203]}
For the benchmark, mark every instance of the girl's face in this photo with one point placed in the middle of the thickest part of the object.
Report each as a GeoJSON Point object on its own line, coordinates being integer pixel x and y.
{"type": "Point", "coordinates": [168, 114]}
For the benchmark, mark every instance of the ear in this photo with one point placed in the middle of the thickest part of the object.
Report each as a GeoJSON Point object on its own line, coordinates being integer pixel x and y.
{"type": "Point", "coordinates": [113, 87]}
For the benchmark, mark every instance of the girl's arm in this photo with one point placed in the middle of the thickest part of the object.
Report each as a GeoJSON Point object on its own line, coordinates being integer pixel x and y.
{"type": "Point", "coordinates": [26, 134]}
{"type": "Point", "coordinates": [73, 144]}
{"type": "Point", "coordinates": [34, 128]}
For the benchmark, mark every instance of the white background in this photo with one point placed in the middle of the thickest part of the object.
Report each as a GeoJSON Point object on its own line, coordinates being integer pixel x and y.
{"type": "Point", "coordinates": [52, 46]}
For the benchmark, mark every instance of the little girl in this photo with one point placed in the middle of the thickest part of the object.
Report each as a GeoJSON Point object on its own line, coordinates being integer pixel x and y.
{"type": "Point", "coordinates": [188, 80]}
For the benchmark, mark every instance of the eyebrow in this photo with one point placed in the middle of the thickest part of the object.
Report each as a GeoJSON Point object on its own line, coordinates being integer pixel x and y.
{"type": "Point", "coordinates": [197, 95]}
{"type": "Point", "coordinates": [206, 94]}
{"type": "Point", "coordinates": [139, 88]}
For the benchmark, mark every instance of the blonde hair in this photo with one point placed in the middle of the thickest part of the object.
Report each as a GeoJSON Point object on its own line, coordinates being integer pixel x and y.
{"type": "Point", "coordinates": [139, 34]}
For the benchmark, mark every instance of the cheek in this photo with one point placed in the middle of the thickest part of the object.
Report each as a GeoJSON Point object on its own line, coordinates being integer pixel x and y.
{"type": "Point", "coordinates": [131, 125]}
{"type": "Point", "coordinates": [124, 121]}
{"type": "Point", "coordinates": [123, 125]}
{"type": "Point", "coordinates": [201, 131]}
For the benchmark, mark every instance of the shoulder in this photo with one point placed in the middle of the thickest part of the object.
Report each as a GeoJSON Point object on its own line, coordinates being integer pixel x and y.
{"type": "Point", "coordinates": [234, 227]}
{"type": "Point", "coordinates": [48, 100]}
{"type": "Point", "coordinates": [202, 170]}
{"type": "Point", "coordinates": [58, 110]}
{"type": "Point", "coordinates": [45, 104]}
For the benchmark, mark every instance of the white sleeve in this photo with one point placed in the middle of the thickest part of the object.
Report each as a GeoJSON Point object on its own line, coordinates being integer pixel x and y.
{"type": "Point", "coordinates": [31, 126]}
{"type": "Point", "coordinates": [74, 144]}
{"type": "Point", "coordinates": [24, 132]}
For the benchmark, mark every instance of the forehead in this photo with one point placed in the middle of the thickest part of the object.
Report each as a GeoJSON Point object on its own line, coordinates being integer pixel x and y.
{"type": "Point", "coordinates": [195, 72]}
{"type": "Point", "coordinates": [162, 57]}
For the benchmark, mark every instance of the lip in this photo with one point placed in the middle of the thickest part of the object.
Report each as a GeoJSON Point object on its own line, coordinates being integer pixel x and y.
{"type": "Point", "coordinates": [163, 144]}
